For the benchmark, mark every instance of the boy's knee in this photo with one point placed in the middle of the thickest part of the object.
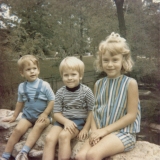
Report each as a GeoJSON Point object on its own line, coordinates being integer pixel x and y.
{"type": "Point", "coordinates": [48, 139]}
{"type": "Point", "coordinates": [17, 131]}
{"type": "Point", "coordinates": [40, 126]}
{"type": "Point", "coordinates": [63, 135]}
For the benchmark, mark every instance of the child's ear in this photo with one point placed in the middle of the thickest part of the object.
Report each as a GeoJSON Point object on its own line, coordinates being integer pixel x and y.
{"type": "Point", "coordinates": [21, 73]}
{"type": "Point", "coordinates": [80, 78]}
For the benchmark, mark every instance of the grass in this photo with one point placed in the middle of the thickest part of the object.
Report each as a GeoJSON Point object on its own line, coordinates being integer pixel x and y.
{"type": "Point", "coordinates": [49, 68]}
{"type": "Point", "coordinates": [50, 72]}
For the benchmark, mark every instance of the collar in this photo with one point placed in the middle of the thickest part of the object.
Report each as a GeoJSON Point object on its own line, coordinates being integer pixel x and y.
{"type": "Point", "coordinates": [73, 89]}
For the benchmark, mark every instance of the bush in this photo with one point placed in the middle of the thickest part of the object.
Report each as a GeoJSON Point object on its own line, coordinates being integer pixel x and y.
{"type": "Point", "coordinates": [8, 79]}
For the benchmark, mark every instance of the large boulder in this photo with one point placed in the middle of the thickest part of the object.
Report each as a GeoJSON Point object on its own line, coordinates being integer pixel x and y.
{"type": "Point", "coordinates": [143, 150]}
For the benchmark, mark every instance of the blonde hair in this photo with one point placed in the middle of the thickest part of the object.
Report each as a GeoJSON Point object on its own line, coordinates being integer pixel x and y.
{"type": "Point", "coordinates": [26, 59]}
{"type": "Point", "coordinates": [114, 44]}
{"type": "Point", "coordinates": [72, 63]}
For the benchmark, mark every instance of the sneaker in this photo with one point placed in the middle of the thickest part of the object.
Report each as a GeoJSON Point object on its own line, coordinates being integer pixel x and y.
{"type": "Point", "coordinates": [21, 156]}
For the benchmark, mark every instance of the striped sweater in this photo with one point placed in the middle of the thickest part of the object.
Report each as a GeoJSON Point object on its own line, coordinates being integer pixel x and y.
{"type": "Point", "coordinates": [75, 104]}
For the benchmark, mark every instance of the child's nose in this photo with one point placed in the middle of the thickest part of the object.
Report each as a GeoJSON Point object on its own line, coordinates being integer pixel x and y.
{"type": "Point", "coordinates": [69, 77]}
{"type": "Point", "coordinates": [110, 63]}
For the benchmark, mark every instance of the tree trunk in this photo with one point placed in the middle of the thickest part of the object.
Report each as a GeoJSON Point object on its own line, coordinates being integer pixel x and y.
{"type": "Point", "coordinates": [122, 27]}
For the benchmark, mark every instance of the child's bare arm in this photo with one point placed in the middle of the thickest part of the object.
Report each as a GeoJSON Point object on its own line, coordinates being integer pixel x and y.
{"type": "Point", "coordinates": [84, 132]}
{"type": "Point", "coordinates": [68, 124]}
{"type": "Point", "coordinates": [18, 109]}
{"type": "Point", "coordinates": [49, 108]}
{"type": "Point", "coordinates": [93, 124]}
{"type": "Point", "coordinates": [93, 128]}
{"type": "Point", "coordinates": [46, 112]}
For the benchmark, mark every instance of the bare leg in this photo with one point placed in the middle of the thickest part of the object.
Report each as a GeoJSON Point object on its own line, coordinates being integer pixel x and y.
{"type": "Point", "coordinates": [19, 130]}
{"type": "Point", "coordinates": [81, 155]}
{"type": "Point", "coordinates": [107, 146]}
{"type": "Point", "coordinates": [51, 142]}
{"type": "Point", "coordinates": [64, 144]}
{"type": "Point", "coordinates": [35, 133]}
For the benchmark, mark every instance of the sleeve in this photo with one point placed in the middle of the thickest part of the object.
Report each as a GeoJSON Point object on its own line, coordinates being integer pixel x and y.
{"type": "Point", "coordinates": [89, 99]}
{"type": "Point", "coordinates": [58, 104]}
{"type": "Point", "coordinates": [20, 95]}
{"type": "Point", "coordinates": [49, 92]}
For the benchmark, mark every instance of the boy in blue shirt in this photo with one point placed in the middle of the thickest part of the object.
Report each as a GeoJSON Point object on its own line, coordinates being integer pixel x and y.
{"type": "Point", "coordinates": [36, 98]}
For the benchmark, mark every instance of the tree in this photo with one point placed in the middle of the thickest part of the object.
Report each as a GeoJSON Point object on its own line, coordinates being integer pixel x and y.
{"type": "Point", "coordinates": [68, 27]}
{"type": "Point", "coordinates": [32, 33]}
{"type": "Point", "coordinates": [122, 27]}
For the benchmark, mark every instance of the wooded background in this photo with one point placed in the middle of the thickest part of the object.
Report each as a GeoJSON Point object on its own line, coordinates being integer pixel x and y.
{"type": "Point", "coordinates": [49, 28]}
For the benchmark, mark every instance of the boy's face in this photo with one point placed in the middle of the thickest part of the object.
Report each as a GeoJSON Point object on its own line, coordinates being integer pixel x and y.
{"type": "Point", "coordinates": [30, 72]}
{"type": "Point", "coordinates": [71, 78]}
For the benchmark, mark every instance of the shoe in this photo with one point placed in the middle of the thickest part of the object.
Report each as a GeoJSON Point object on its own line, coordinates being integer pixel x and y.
{"type": "Point", "coordinates": [21, 156]}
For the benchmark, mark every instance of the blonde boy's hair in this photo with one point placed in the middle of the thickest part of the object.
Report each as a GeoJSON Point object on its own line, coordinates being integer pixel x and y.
{"type": "Point", "coordinates": [72, 63]}
{"type": "Point", "coordinates": [114, 44]}
{"type": "Point", "coordinates": [25, 60]}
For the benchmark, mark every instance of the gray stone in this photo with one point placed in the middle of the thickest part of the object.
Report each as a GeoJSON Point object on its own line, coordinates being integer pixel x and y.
{"type": "Point", "coordinates": [143, 150]}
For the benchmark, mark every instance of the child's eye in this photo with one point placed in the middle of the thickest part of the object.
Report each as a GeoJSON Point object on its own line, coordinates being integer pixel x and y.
{"type": "Point", "coordinates": [115, 60]}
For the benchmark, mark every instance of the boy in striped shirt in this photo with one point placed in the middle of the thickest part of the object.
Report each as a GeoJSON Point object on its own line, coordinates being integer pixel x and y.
{"type": "Point", "coordinates": [72, 110]}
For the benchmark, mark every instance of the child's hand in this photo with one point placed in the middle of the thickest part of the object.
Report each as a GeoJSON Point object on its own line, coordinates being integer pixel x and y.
{"type": "Point", "coordinates": [42, 118]}
{"type": "Point", "coordinates": [83, 134]}
{"type": "Point", "coordinates": [9, 119]}
{"type": "Point", "coordinates": [70, 126]}
{"type": "Point", "coordinates": [96, 136]}
{"type": "Point", "coordinates": [94, 142]}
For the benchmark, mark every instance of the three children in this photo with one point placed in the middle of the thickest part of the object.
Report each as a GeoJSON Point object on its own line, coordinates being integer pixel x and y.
{"type": "Point", "coordinates": [114, 115]}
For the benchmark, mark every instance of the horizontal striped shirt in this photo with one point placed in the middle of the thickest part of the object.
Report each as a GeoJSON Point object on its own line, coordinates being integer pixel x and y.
{"type": "Point", "coordinates": [74, 104]}
{"type": "Point", "coordinates": [111, 103]}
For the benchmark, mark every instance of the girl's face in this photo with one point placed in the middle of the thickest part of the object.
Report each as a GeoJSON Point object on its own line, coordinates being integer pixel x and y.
{"type": "Point", "coordinates": [112, 65]}
{"type": "Point", "coordinates": [71, 78]}
{"type": "Point", "coordinates": [30, 72]}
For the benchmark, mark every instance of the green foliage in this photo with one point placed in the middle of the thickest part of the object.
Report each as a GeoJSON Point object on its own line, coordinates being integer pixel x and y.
{"type": "Point", "coordinates": [68, 27]}
{"type": "Point", "coordinates": [7, 82]}
{"type": "Point", "coordinates": [71, 27]}
{"type": "Point", "coordinates": [75, 27]}
{"type": "Point", "coordinates": [145, 71]}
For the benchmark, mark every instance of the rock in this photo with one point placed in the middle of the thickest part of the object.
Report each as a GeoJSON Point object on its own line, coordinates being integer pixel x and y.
{"type": "Point", "coordinates": [143, 150]}
{"type": "Point", "coordinates": [152, 126]}
{"type": "Point", "coordinates": [37, 150]}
